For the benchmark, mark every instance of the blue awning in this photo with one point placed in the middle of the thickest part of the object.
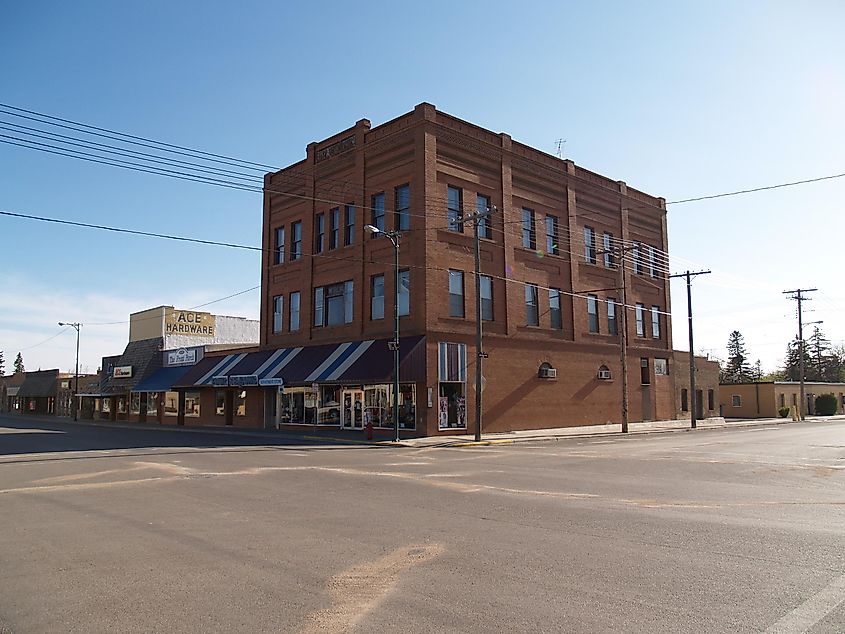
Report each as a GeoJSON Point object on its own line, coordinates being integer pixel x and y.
{"type": "Point", "coordinates": [162, 380]}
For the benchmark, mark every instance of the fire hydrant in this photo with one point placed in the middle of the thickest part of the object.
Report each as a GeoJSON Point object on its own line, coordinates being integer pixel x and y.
{"type": "Point", "coordinates": [369, 428]}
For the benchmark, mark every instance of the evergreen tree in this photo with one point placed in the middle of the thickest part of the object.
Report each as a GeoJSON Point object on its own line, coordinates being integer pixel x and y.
{"type": "Point", "coordinates": [758, 371]}
{"type": "Point", "coordinates": [737, 369]}
{"type": "Point", "coordinates": [791, 365]}
{"type": "Point", "coordinates": [19, 367]}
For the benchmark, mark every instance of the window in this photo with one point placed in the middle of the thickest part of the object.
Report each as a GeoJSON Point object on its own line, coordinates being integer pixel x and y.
{"type": "Point", "coordinates": [452, 362]}
{"type": "Point", "coordinates": [192, 404]}
{"type": "Point", "coordinates": [607, 247]}
{"type": "Point", "coordinates": [171, 403]}
{"type": "Point", "coordinates": [333, 304]}
{"type": "Point", "coordinates": [684, 400]}
{"type": "Point", "coordinates": [636, 256]}
{"type": "Point", "coordinates": [456, 293]}
{"type": "Point", "coordinates": [532, 313]}
{"type": "Point", "coordinates": [652, 261]}
{"type": "Point", "coordinates": [645, 375]}
{"type": "Point", "coordinates": [377, 297]}
{"type": "Point", "coordinates": [555, 314]}
{"type": "Point", "coordinates": [590, 245]}
{"type": "Point", "coordinates": [240, 403]}
{"type": "Point", "coordinates": [593, 312]}
{"type": "Point", "coordinates": [278, 311]}
{"type": "Point", "coordinates": [552, 240]}
{"type": "Point", "coordinates": [334, 228]}
{"type": "Point", "coordinates": [293, 320]}
{"type": "Point", "coordinates": [661, 367]}
{"type": "Point", "coordinates": [402, 218]}
{"type": "Point", "coordinates": [482, 204]}
{"type": "Point", "coordinates": [612, 323]}
{"type": "Point", "coordinates": [736, 400]}
{"type": "Point", "coordinates": [135, 403]}
{"type": "Point", "coordinates": [279, 249]}
{"type": "Point", "coordinates": [377, 204]}
{"type": "Point", "coordinates": [296, 240]}
{"type": "Point", "coordinates": [486, 298]}
{"type": "Point", "coordinates": [220, 402]}
{"type": "Point", "coordinates": [711, 400]}
{"type": "Point", "coordinates": [152, 404]}
{"type": "Point", "coordinates": [781, 400]}
{"type": "Point", "coordinates": [640, 313]}
{"type": "Point", "coordinates": [404, 293]}
{"type": "Point", "coordinates": [455, 205]}
{"type": "Point", "coordinates": [529, 229]}
{"type": "Point", "coordinates": [655, 322]}
{"type": "Point", "coordinates": [319, 232]}
{"type": "Point", "coordinates": [349, 225]}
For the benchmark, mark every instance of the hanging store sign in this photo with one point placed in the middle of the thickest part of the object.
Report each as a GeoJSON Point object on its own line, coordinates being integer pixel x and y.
{"type": "Point", "coordinates": [220, 381]}
{"type": "Point", "coordinates": [182, 356]}
{"type": "Point", "coordinates": [122, 372]}
{"type": "Point", "coordinates": [270, 382]}
{"type": "Point", "coordinates": [243, 380]}
{"type": "Point", "coordinates": [188, 322]}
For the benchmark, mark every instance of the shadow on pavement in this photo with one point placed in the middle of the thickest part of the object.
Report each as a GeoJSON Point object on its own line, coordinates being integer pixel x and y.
{"type": "Point", "coordinates": [30, 435]}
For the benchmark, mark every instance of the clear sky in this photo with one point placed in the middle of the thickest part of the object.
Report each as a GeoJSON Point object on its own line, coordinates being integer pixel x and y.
{"type": "Point", "coordinates": [676, 99]}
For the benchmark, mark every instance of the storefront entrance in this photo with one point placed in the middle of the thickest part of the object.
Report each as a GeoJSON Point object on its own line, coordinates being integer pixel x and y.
{"type": "Point", "coordinates": [352, 410]}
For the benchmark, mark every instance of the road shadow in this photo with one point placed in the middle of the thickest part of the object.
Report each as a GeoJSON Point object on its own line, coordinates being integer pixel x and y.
{"type": "Point", "coordinates": [20, 435]}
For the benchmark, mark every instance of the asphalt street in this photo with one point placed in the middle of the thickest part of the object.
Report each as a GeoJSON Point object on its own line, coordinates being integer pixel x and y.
{"type": "Point", "coordinates": [131, 530]}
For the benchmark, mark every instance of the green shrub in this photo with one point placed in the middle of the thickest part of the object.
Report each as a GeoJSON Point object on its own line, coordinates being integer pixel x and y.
{"type": "Point", "coordinates": [826, 405]}
{"type": "Point", "coordinates": [783, 412]}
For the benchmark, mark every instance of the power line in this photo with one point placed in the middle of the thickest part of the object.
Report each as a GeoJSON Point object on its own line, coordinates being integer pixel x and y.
{"type": "Point", "coordinates": [756, 189]}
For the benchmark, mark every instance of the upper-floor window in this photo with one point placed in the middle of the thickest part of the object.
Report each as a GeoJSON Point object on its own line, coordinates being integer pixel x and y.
{"type": "Point", "coordinates": [404, 293]}
{"type": "Point", "coordinates": [454, 209]}
{"type": "Point", "coordinates": [402, 219]}
{"type": "Point", "coordinates": [590, 245]}
{"type": "Point", "coordinates": [377, 204]}
{"type": "Point", "coordinates": [655, 322]}
{"type": "Point", "coordinates": [645, 373]}
{"type": "Point", "coordinates": [334, 228]}
{"type": "Point", "coordinates": [333, 304]}
{"type": "Point", "coordinates": [612, 324]}
{"type": "Point", "coordinates": [529, 229]}
{"type": "Point", "coordinates": [486, 298]}
{"type": "Point", "coordinates": [593, 313]}
{"type": "Point", "coordinates": [552, 240]}
{"type": "Point", "coordinates": [652, 261]}
{"type": "Point", "coordinates": [293, 319]}
{"type": "Point", "coordinates": [637, 258]}
{"type": "Point", "coordinates": [278, 311]}
{"type": "Point", "coordinates": [296, 240]}
{"type": "Point", "coordinates": [319, 232]}
{"type": "Point", "coordinates": [482, 205]}
{"type": "Point", "coordinates": [377, 297]}
{"type": "Point", "coordinates": [532, 310]}
{"type": "Point", "coordinates": [607, 248]}
{"type": "Point", "coordinates": [279, 248]}
{"type": "Point", "coordinates": [555, 313]}
{"type": "Point", "coordinates": [661, 367]}
{"type": "Point", "coordinates": [456, 293]}
{"type": "Point", "coordinates": [640, 314]}
{"type": "Point", "coordinates": [349, 225]}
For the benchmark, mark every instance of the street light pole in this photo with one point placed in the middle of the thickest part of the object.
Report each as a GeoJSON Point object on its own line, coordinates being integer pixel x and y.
{"type": "Point", "coordinates": [75, 325]}
{"type": "Point", "coordinates": [393, 236]}
{"type": "Point", "coordinates": [797, 296]}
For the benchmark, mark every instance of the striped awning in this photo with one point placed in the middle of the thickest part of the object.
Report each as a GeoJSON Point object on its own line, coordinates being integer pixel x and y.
{"type": "Point", "coordinates": [359, 361]}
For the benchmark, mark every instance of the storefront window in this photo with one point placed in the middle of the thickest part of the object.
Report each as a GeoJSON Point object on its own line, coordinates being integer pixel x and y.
{"type": "Point", "coordinates": [152, 403]}
{"type": "Point", "coordinates": [293, 407]}
{"type": "Point", "coordinates": [192, 404]}
{"type": "Point", "coordinates": [106, 405]}
{"type": "Point", "coordinates": [240, 403]}
{"type": "Point", "coordinates": [328, 410]}
{"type": "Point", "coordinates": [220, 402]}
{"type": "Point", "coordinates": [377, 405]}
{"type": "Point", "coordinates": [135, 403]}
{"type": "Point", "coordinates": [171, 403]}
{"type": "Point", "coordinates": [121, 404]}
{"type": "Point", "coordinates": [452, 406]}
{"type": "Point", "coordinates": [97, 404]}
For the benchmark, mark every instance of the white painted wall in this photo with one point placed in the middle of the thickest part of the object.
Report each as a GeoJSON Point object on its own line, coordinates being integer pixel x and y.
{"type": "Point", "coordinates": [226, 330]}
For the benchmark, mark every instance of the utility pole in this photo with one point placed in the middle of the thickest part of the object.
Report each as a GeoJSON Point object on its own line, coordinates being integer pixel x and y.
{"type": "Point", "coordinates": [480, 355]}
{"type": "Point", "coordinates": [797, 295]}
{"type": "Point", "coordinates": [76, 326]}
{"type": "Point", "coordinates": [692, 398]}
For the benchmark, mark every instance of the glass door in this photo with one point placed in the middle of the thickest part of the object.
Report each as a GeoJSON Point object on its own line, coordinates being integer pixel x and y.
{"type": "Point", "coordinates": [352, 411]}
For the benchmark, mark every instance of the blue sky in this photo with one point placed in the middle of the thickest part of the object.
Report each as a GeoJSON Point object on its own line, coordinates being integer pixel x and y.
{"type": "Point", "coordinates": [677, 99]}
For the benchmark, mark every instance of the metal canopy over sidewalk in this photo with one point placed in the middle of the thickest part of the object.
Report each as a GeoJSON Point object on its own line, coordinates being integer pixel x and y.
{"type": "Point", "coordinates": [162, 380]}
{"type": "Point", "coordinates": [352, 361]}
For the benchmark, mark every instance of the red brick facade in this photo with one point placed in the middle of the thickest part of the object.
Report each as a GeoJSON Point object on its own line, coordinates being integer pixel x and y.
{"type": "Point", "coordinates": [431, 151]}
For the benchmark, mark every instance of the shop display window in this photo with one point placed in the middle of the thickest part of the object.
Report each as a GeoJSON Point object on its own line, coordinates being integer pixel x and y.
{"type": "Point", "coordinates": [240, 403]}
{"type": "Point", "coordinates": [152, 404]}
{"type": "Point", "coordinates": [452, 406]}
{"type": "Point", "coordinates": [135, 403]}
{"type": "Point", "coordinates": [171, 403]}
{"type": "Point", "coordinates": [220, 402]}
{"type": "Point", "coordinates": [192, 404]}
{"type": "Point", "coordinates": [121, 405]}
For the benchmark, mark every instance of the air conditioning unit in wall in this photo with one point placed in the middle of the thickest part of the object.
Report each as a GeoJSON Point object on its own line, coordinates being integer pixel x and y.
{"type": "Point", "coordinates": [548, 373]}
{"type": "Point", "coordinates": [604, 375]}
